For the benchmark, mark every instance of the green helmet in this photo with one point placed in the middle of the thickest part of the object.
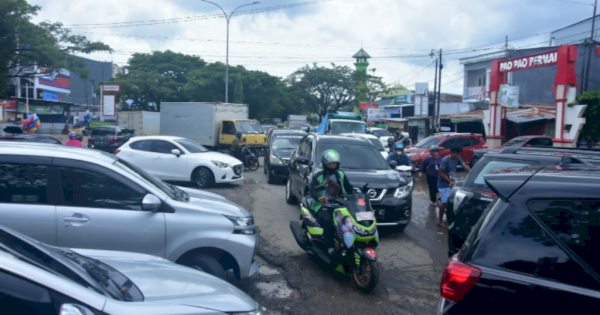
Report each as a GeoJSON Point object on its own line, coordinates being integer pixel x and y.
{"type": "Point", "coordinates": [330, 156]}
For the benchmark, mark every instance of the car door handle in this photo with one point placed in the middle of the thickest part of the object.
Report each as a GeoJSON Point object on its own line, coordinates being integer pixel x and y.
{"type": "Point", "coordinates": [76, 219]}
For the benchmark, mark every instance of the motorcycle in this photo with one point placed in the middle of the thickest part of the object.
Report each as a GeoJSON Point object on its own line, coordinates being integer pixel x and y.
{"type": "Point", "coordinates": [355, 238]}
{"type": "Point", "coordinates": [248, 155]}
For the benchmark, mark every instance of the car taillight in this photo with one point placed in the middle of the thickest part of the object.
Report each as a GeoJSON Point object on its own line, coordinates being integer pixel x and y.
{"type": "Point", "coordinates": [485, 146]}
{"type": "Point", "coordinates": [458, 279]}
{"type": "Point", "coordinates": [90, 140]}
{"type": "Point", "coordinates": [117, 151]}
{"type": "Point", "coordinates": [114, 140]}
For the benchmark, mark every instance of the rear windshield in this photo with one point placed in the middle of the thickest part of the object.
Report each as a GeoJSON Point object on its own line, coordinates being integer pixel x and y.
{"type": "Point", "coordinates": [104, 131]}
{"type": "Point", "coordinates": [475, 177]}
{"type": "Point", "coordinates": [382, 133]}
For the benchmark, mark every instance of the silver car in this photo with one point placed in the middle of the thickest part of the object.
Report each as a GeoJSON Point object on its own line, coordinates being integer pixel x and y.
{"type": "Point", "coordinates": [39, 279]}
{"type": "Point", "coordinates": [78, 198]}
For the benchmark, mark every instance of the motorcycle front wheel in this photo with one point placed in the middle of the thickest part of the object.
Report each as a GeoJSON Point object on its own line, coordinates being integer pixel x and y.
{"type": "Point", "coordinates": [367, 277]}
{"type": "Point", "coordinates": [253, 164]}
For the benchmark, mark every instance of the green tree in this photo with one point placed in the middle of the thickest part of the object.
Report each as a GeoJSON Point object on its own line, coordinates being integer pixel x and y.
{"type": "Point", "coordinates": [24, 44]}
{"type": "Point", "coordinates": [591, 129]}
{"type": "Point", "coordinates": [238, 94]}
{"type": "Point", "coordinates": [368, 87]}
{"type": "Point", "coordinates": [322, 90]}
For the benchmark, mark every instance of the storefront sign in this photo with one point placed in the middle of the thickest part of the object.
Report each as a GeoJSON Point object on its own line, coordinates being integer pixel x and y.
{"type": "Point", "coordinates": [376, 114]}
{"type": "Point", "coordinates": [529, 62]}
{"type": "Point", "coordinates": [508, 96]}
{"type": "Point", "coordinates": [403, 99]}
{"type": "Point", "coordinates": [42, 110]}
{"type": "Point", "coordinates": [416, 123]}
{"type": "Point", "coordinates": [109, 105]}
{"type": "Point", "coordinates": [474, 93]}
{"type": "Point", "coordinates": [111, 88]}
{"type": "Point", "coordinates": [50, 96]}
{"type": "Point", "coordinates": [365, 106]}
{"type": "Point", "coordinates": [59, 82]}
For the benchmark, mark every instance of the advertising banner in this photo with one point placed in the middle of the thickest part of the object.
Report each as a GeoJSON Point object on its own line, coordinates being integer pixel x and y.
{"type": "Point", "coordinates": [365, 106]}
{"type": "Point", "coordinates": [474, 93]}
{"type": "Point", "coordinates": [508, 96]}
{"type": "Point", "coordinates": [403, 99]}
{"type": "Point", "coordinates": [109, 105]}
{"type": "Point", "coordinates": [528, 62]}
{"type": "Point", "coordinates": [375, 114]}
{"type": "Point", "coordinates": [111, 88]}
{"type": "Point", "coordinates": [42, 110]}
{"type": "Point", "coordinates": [59, 82]}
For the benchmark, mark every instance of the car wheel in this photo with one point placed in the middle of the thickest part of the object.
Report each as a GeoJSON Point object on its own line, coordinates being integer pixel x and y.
{"type": "Point", "coordinates": [206, 263]}
{"type": "Point", "coordinates": [203, 177]}
{"type": "Point", "coordinates": [289, 197]}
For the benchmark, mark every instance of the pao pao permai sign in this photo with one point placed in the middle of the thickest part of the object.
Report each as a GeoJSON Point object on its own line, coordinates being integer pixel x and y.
{"type": "Point", "coordinates": [528, 62]}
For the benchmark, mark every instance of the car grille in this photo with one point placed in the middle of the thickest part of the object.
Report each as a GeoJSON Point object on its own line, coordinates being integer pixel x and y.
{"type": "Point", "coordinates": [238, 169]}
{"type": "Point", "coordinates": [376, 194]}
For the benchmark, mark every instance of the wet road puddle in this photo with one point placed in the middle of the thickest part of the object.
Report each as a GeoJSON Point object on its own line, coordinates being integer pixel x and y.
{"type": "Point", "coordinates": [271, 283]}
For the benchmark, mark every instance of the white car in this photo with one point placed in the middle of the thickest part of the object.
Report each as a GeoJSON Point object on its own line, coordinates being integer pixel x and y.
{"type": "Point", "coordinates": [382, 134]}
{"type": "Point", "coordinates": [181, 159]}
{"type": "Point", "coordinates": [373, 139]}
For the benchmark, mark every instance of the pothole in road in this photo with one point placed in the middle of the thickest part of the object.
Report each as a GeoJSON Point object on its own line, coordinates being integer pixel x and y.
{"type": "Point", "coordinates": [271, 282]}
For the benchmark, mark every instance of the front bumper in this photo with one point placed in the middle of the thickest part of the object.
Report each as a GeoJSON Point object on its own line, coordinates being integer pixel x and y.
{"type": "Point", "coordinates": [228, 174]}
{"type": "Point", "coordinates": [392, 211]}
{"type": "Point", "coordinates": [279, 170]}
{"type": "Point", "coordinates": [244, 248]}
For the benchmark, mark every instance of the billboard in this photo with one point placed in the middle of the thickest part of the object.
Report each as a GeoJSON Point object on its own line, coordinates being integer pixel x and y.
{"type": "Point", "coordinates": [59, 82]}
{"type": "Point", "coordinates": [422, 88]}
{"type": "Point", "coordinates": [109, 105]}
{"type": "Point", "coordinates": [508, 96]}
{"type": "Point", "coordinates": [365, 106]}
{"type": "Point", "coordinates": [42, 109]}
{"type": "Point", "coordinates": [474, 93]}
{"type": "Point", "coordinates": [376, 114]}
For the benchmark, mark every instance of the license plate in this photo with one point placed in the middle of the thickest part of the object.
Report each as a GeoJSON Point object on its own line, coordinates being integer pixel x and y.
{"type": "Point", "coordinates": [364, 216]}
{"type": "Point", "coordinates": [381, 213]}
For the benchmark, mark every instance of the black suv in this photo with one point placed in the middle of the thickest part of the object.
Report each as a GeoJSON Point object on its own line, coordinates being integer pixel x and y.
{"type": "Point", "coordinates": [533, 251]}
{"type": "Point", "coordinates": [280, 145]}
{"type": "Point", "coordinates": [468, 199]}
{"type": "Point", "coordinates": [109, 138]}
{"type": "Point", "coordinates": [389, 193]}
{"type": "Point", "coordinates": [40, 138]}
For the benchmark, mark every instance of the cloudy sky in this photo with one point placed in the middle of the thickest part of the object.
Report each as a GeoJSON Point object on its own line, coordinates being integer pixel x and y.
{"type": "Point", "coordinates": [398, 34]}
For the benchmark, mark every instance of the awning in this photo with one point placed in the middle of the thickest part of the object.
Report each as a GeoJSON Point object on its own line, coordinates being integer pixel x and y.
{"type": "Point", "coordinates": [465, 119]}
{"type": "Point", "coordinates": [523, 119]}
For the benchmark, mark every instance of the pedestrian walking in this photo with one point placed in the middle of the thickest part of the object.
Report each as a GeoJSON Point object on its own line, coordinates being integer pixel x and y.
{"type": "Point", "coordinates": [446, 180]}
{"type": "Point", "coordinates": [431, 168]}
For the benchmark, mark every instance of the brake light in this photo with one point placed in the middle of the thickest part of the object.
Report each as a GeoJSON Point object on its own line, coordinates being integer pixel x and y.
{"type": "Point", "coordinates": [458, 279]}
{"type": "Point", "coordinates": [117, 151]}
{"type": "Point", "coordinates": [90, 140]}
{"type": "Point", "coordinates": [370, 252]}
{"type": "Point", "coordinates": [114, 140]}
{"type": "Point", "coordinates": [485, 146]}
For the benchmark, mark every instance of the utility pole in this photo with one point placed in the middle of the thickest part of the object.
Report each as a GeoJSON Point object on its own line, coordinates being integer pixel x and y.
{"type": "Point", "coordinates": [434, 95]}
{"type": "Point", "coordinates": [439, 89]}
{"type": "Point", "coordinates": [588, 49]}
{"type": "Point", "coordinates": [506, 47]}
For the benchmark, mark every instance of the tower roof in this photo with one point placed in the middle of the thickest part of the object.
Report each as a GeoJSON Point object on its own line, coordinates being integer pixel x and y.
{"type": "Point", "coordinates": [361, 54]}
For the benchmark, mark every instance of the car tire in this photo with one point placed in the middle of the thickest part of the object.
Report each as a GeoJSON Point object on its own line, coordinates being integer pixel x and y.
{"type": "Point", "coordinates": [203, 177]}
{"type": "Point", "coordinates": [289, 197]}
{"type": "Point", "coordinates": [206, 263]}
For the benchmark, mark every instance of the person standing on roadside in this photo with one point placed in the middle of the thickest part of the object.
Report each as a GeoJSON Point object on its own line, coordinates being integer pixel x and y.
{"type": "Point", "coordinates": [446, 180]}
{"type": "Point", "coordinates": [431, 168]}
{"type": "Point", "coordinates": [236, 149]}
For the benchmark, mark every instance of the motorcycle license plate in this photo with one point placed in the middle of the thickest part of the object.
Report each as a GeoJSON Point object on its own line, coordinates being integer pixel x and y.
{"type": "Point", "coordinates": [364, 216]}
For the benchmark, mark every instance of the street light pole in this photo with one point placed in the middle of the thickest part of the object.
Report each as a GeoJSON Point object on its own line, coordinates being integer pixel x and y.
{"type": "Point", "coordinates": [439, 82]}
{"type": "Point", "coordinates": [228, 18]}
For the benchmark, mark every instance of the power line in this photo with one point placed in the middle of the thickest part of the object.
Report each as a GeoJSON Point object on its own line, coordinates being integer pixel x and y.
{"type": "Point", "coordinates": [432, 62]}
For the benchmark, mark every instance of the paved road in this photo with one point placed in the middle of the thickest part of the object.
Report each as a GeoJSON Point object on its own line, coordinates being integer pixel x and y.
{"type": "Point", "coordinates": [290, 283]}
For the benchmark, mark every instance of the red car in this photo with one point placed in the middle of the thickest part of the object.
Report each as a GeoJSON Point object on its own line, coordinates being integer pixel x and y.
{"type": "Point", "coordinates": [522, 141]}
{"type": "Point", "coordinates": [467, 141]}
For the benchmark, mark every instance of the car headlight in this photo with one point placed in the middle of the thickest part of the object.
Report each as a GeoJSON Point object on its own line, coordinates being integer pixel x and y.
{"type": "Point", "coordinates": [275, 160]}
{"type": "Point", "coordinates": [402, 192]}
{"type": "Point", "coordinates": [459, 197]}
{"type": "Point", "coordinates": [242, 225]}
{"type": "Point", "coordinates": [220, 164]}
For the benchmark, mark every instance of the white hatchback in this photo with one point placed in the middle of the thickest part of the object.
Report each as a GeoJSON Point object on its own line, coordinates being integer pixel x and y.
{"type": "Point", "coordinates": [181, 159]}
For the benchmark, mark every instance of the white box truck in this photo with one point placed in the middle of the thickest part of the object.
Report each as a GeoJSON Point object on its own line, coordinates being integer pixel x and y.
{"type": "Point", "coordinates": [144, 123]}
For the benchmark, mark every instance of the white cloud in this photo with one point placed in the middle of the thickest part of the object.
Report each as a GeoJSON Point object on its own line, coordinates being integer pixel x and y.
{"type": "Point", "coordinates": [326, 32]}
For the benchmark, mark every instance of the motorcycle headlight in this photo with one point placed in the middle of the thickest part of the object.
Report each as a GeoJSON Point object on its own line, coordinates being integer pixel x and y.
{"type": "Point", "coordinates": [402, 192]}
{"type": "Point", "coordinates": [459, 197]}
{"type": "Point", "coordinates": [275, 160]}
{"type": "Point", "coordinates": [220, 164]}
{"type": "Point", "coordinates": [359, 230]}
{"type": "Point", "coordinates": [242, 225]}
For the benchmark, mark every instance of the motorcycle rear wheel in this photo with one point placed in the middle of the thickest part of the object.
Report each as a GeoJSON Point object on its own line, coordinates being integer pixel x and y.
{"type": "Point", "coordinates": [253, 164]}
{"type": "Point", "coordinates": [369, 278]}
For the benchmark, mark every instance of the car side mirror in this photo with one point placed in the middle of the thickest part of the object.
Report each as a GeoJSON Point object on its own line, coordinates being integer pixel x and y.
{"type": "Point", "coordinates": [393, 164]}
{"type": "Point", "coordinates": [302, 161]}
{"type": "Point", "coordinates": [176, 152]}
{"type": "Point", "coordinates": [151, 202]}
{"type": "Point", "coordinates": [74, 309]}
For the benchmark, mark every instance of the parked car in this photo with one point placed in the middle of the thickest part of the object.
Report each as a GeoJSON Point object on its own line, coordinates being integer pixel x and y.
{"type": "Point", "coordinates": [279, 150]}
{"type": "Point", "coordinates": [180, 159]}
{"type": "Point", "coordinates": [522, 141]}
{"type": "Point", "coordinates": [383, 134]}
{"type": "Point", "coordinates": [8, 129]}
{"type": "Point", "coordinates": [469, 142]}
{"type": "Point", "coordinates": [533, 249]}
{"type": "Point", "coordinates": [36, 278]}
{"type": "Point", "coordinates": [469, 198]}
{"type": "Point", "coordinates": [109, 138]}
{"type": "Point", "coordinates": [40, 138]}
{"type": "Point", "coordinates": [79, 198]}
{"type": "Point", "coordinates": [390, 194]}
{"type": "Point", "coordinates": [373, 139]}
{"type": "Point", "coordinates": [266, 128]}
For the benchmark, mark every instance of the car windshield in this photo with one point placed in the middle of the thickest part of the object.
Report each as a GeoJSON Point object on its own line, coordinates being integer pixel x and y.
{"type": "Point", "coordinates": [515, 142]}
{"type": "Point", "coordinates": [191, 146]}
{"type": "Point", "coordinates": [353, 156]}
{"type": "Point", "coordinates": [381, 133]}
{"type": "Point", "coordinates": [285, 142]}
{"type": "Point", "coordinates": [339, 127]}
{"type": "Point", "coordinates": [377, 144]}
{"type": "Point", "coordinates": [249, 126]}
{"type": "Point", "coordinates": [103, 131]}
{"type": "Point", "coordinates": [149, 178]}
{"type": "Point", "coordinates": [475, 178]}
{"type": "Point", "coordinates": [427, 143]}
